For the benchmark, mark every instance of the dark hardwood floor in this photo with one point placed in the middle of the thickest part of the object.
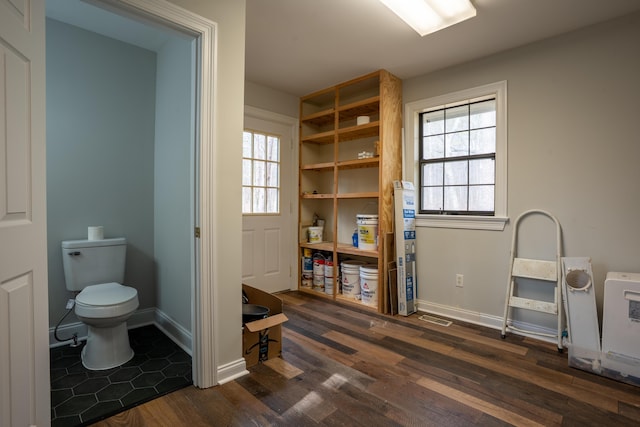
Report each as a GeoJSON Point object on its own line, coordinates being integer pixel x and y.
{"type": "Point", "coordinates": [342, 366]}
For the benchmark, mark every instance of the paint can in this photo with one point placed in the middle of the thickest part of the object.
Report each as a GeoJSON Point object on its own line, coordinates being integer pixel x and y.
{"type": "Point", "coordinates": [367, 232]}
{"type": "Point", "coordinates": [307, 268]}
{"type": "Point", "coordinates": [315, 234]}
{"type": "Point", "coordinates": [318, 272]}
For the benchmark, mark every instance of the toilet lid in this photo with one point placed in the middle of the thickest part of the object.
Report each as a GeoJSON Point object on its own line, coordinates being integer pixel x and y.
{"type": "Point", "coordinates": [106, 294]}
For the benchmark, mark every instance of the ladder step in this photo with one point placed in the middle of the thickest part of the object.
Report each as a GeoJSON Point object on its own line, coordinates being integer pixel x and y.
{"type": "Point", "coordinates": [535, 269]}
{"type": "Point", "coordinates": [535, 305]}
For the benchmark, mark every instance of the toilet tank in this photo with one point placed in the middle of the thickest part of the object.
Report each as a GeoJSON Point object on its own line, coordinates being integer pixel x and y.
{"type": "Point", "coordinates": [90, 262]}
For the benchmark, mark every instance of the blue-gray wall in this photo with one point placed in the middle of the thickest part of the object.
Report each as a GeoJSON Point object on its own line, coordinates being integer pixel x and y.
{"type": "Point", "coordinates": [101, 97]}
{"type": "Point", "coordinates": [173, 236]}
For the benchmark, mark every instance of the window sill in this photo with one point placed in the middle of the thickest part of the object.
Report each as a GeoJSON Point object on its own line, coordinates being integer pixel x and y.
{"type": "Point", "coordinates": [462, 222]}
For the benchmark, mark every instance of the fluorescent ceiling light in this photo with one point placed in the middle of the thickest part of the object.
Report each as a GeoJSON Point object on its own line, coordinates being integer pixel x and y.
{"type": "Point", "coordinates": [429, 16]}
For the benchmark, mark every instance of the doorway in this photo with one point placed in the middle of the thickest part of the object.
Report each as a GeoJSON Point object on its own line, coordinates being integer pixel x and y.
{"type": "Point", "coordinates": [268, 239]}
{"type": "Point", "coordinates": [177, 307]}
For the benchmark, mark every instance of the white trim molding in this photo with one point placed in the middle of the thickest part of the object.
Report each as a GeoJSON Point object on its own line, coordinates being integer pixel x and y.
{"type": "Point", "coordinates": [231, 371]}
{"type": "Point", "coordinates": [412, 112]}
{"type": "Point", "coordinates": [483, 319]}
{"type": "Point", "coordinates": [205, 322]}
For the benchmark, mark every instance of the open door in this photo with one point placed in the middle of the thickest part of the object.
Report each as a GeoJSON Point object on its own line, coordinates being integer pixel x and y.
{"type": "Point", "coordinates": [24, 324]}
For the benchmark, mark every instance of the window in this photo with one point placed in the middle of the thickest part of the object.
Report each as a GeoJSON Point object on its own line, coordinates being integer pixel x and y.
{"type": "Point", "coordinates": [460, 158]}
{"type": "Point", "coordinates": [457, 158]}
{"type": "Point", "coordinates": [260, 173]}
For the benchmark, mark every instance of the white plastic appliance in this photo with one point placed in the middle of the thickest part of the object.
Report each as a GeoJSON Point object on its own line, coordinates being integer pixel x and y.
{"type": "Point", "coordinates": [96, 268]}
{"type": "Point", "coordinates": [621, 318]}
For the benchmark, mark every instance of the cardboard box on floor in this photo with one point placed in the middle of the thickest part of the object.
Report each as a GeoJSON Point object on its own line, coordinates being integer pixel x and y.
{"type": "Point", "coordinates": [262, 339]}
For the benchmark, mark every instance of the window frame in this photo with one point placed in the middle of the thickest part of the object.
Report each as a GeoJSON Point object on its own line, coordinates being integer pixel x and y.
{"type": "Point", "coordinates": [412, 129]}
{"type": "Point", "coordinates": [267, 135]}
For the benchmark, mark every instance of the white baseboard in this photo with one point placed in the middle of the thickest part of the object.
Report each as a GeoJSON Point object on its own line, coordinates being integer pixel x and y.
{"type": "Point", "coordinates": [482, 319]}
{"type": "Point", "coordinates": [148, 316]}
{"type": "Point", "coordinates": [174, 330]}
{"type": "Point", "coordinates": [231, 371]}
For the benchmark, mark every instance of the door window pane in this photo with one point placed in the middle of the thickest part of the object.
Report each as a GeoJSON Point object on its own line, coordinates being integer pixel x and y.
{"type": "Point", "coordinates": [259, 146]}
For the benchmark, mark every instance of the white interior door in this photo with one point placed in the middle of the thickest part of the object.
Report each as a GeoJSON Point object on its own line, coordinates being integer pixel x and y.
{"type": "Point", "coordinates": [24, 323]}
{"type": "Point", "coordinates": [267, 228]}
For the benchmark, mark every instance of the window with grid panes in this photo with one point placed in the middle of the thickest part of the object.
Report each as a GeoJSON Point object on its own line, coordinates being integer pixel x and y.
{"type": "Point", "coordinates": [260, 173]}
{"type": "Point", "coordinates": [457, 169]}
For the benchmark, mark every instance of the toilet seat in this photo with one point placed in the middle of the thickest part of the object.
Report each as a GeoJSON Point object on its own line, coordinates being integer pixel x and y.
{"type": "Point", "coordinates": [106, 300]}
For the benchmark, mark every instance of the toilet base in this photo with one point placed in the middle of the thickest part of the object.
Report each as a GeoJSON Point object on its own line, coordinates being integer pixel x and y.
{"type": "Point", "coordinates": [107, 348]}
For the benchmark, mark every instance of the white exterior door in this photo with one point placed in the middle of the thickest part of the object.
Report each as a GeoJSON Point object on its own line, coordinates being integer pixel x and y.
{"type": "Point", "coordinates": [24, 323]}
{"type": "Point", "coordinates": [267, 242]}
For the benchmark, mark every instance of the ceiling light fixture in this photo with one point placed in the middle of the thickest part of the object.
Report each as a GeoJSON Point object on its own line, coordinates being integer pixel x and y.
{"type": "Point", "coordinates": [429, 16]}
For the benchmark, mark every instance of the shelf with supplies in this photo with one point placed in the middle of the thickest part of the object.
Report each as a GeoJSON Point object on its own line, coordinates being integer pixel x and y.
{"type": "Point", "coordinates": [350, 134]}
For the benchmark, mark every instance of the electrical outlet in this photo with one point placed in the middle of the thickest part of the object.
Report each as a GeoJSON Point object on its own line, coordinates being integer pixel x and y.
{"type": "Point", "coordinates": [459, 280]}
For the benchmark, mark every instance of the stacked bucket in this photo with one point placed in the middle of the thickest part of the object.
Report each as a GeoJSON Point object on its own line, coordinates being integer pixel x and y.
{"type": "Point", "coordinates": [318, 272]}
{"type": "Point", "coordinates": [307, 269]}
{"type": "Point", "coordinates": [328, 276]}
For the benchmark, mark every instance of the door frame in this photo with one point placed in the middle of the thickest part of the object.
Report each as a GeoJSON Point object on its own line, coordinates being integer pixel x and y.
{"type": "Point", "coordinates": [292, 123]}
{"type": "Point", "coordinates": [170, 16]}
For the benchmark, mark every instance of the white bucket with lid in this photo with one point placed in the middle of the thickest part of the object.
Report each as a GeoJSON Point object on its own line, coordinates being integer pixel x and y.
{"type": "Point", "coordinates": [369, 284]}
{"type": "Point", "coordinates": [351, 278]}
{"type": "Point", "coordinates": [367, 231]}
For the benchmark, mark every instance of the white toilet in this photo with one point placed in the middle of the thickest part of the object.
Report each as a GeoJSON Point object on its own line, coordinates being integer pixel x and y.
{"type": "Point", "coordinates": [95, 268]}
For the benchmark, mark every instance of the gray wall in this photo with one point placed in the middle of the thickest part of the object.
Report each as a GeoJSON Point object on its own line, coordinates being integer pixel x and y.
{"type": "Point", "coordinates": [100, 144]}
{"type": "Point", "coordinates": [572, 150]}
{"type": "Point", "coordinates": [265, 98]}
{"type": "Point", "coordinates": [173, 234]}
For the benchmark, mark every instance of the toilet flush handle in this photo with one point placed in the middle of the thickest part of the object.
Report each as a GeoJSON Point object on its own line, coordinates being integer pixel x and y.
{"type": "Point", "coordinates": [75, 253]}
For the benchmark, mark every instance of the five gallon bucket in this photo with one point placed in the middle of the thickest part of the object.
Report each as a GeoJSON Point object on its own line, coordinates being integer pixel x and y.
{"type": "Point", "coordinates": [369, 284]}
{"type": "Point", "coordinates": [367, 232]}
{"type": "Point", "coordinates": [351, 278]}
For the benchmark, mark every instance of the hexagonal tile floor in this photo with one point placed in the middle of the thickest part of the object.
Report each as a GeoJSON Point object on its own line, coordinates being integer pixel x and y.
{"type": "Point", "coordinates": [80, 396]}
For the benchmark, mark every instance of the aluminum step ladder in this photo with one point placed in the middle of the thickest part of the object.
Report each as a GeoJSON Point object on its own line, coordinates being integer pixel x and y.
{"type": "Point", "coordinates": [541, 271]}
